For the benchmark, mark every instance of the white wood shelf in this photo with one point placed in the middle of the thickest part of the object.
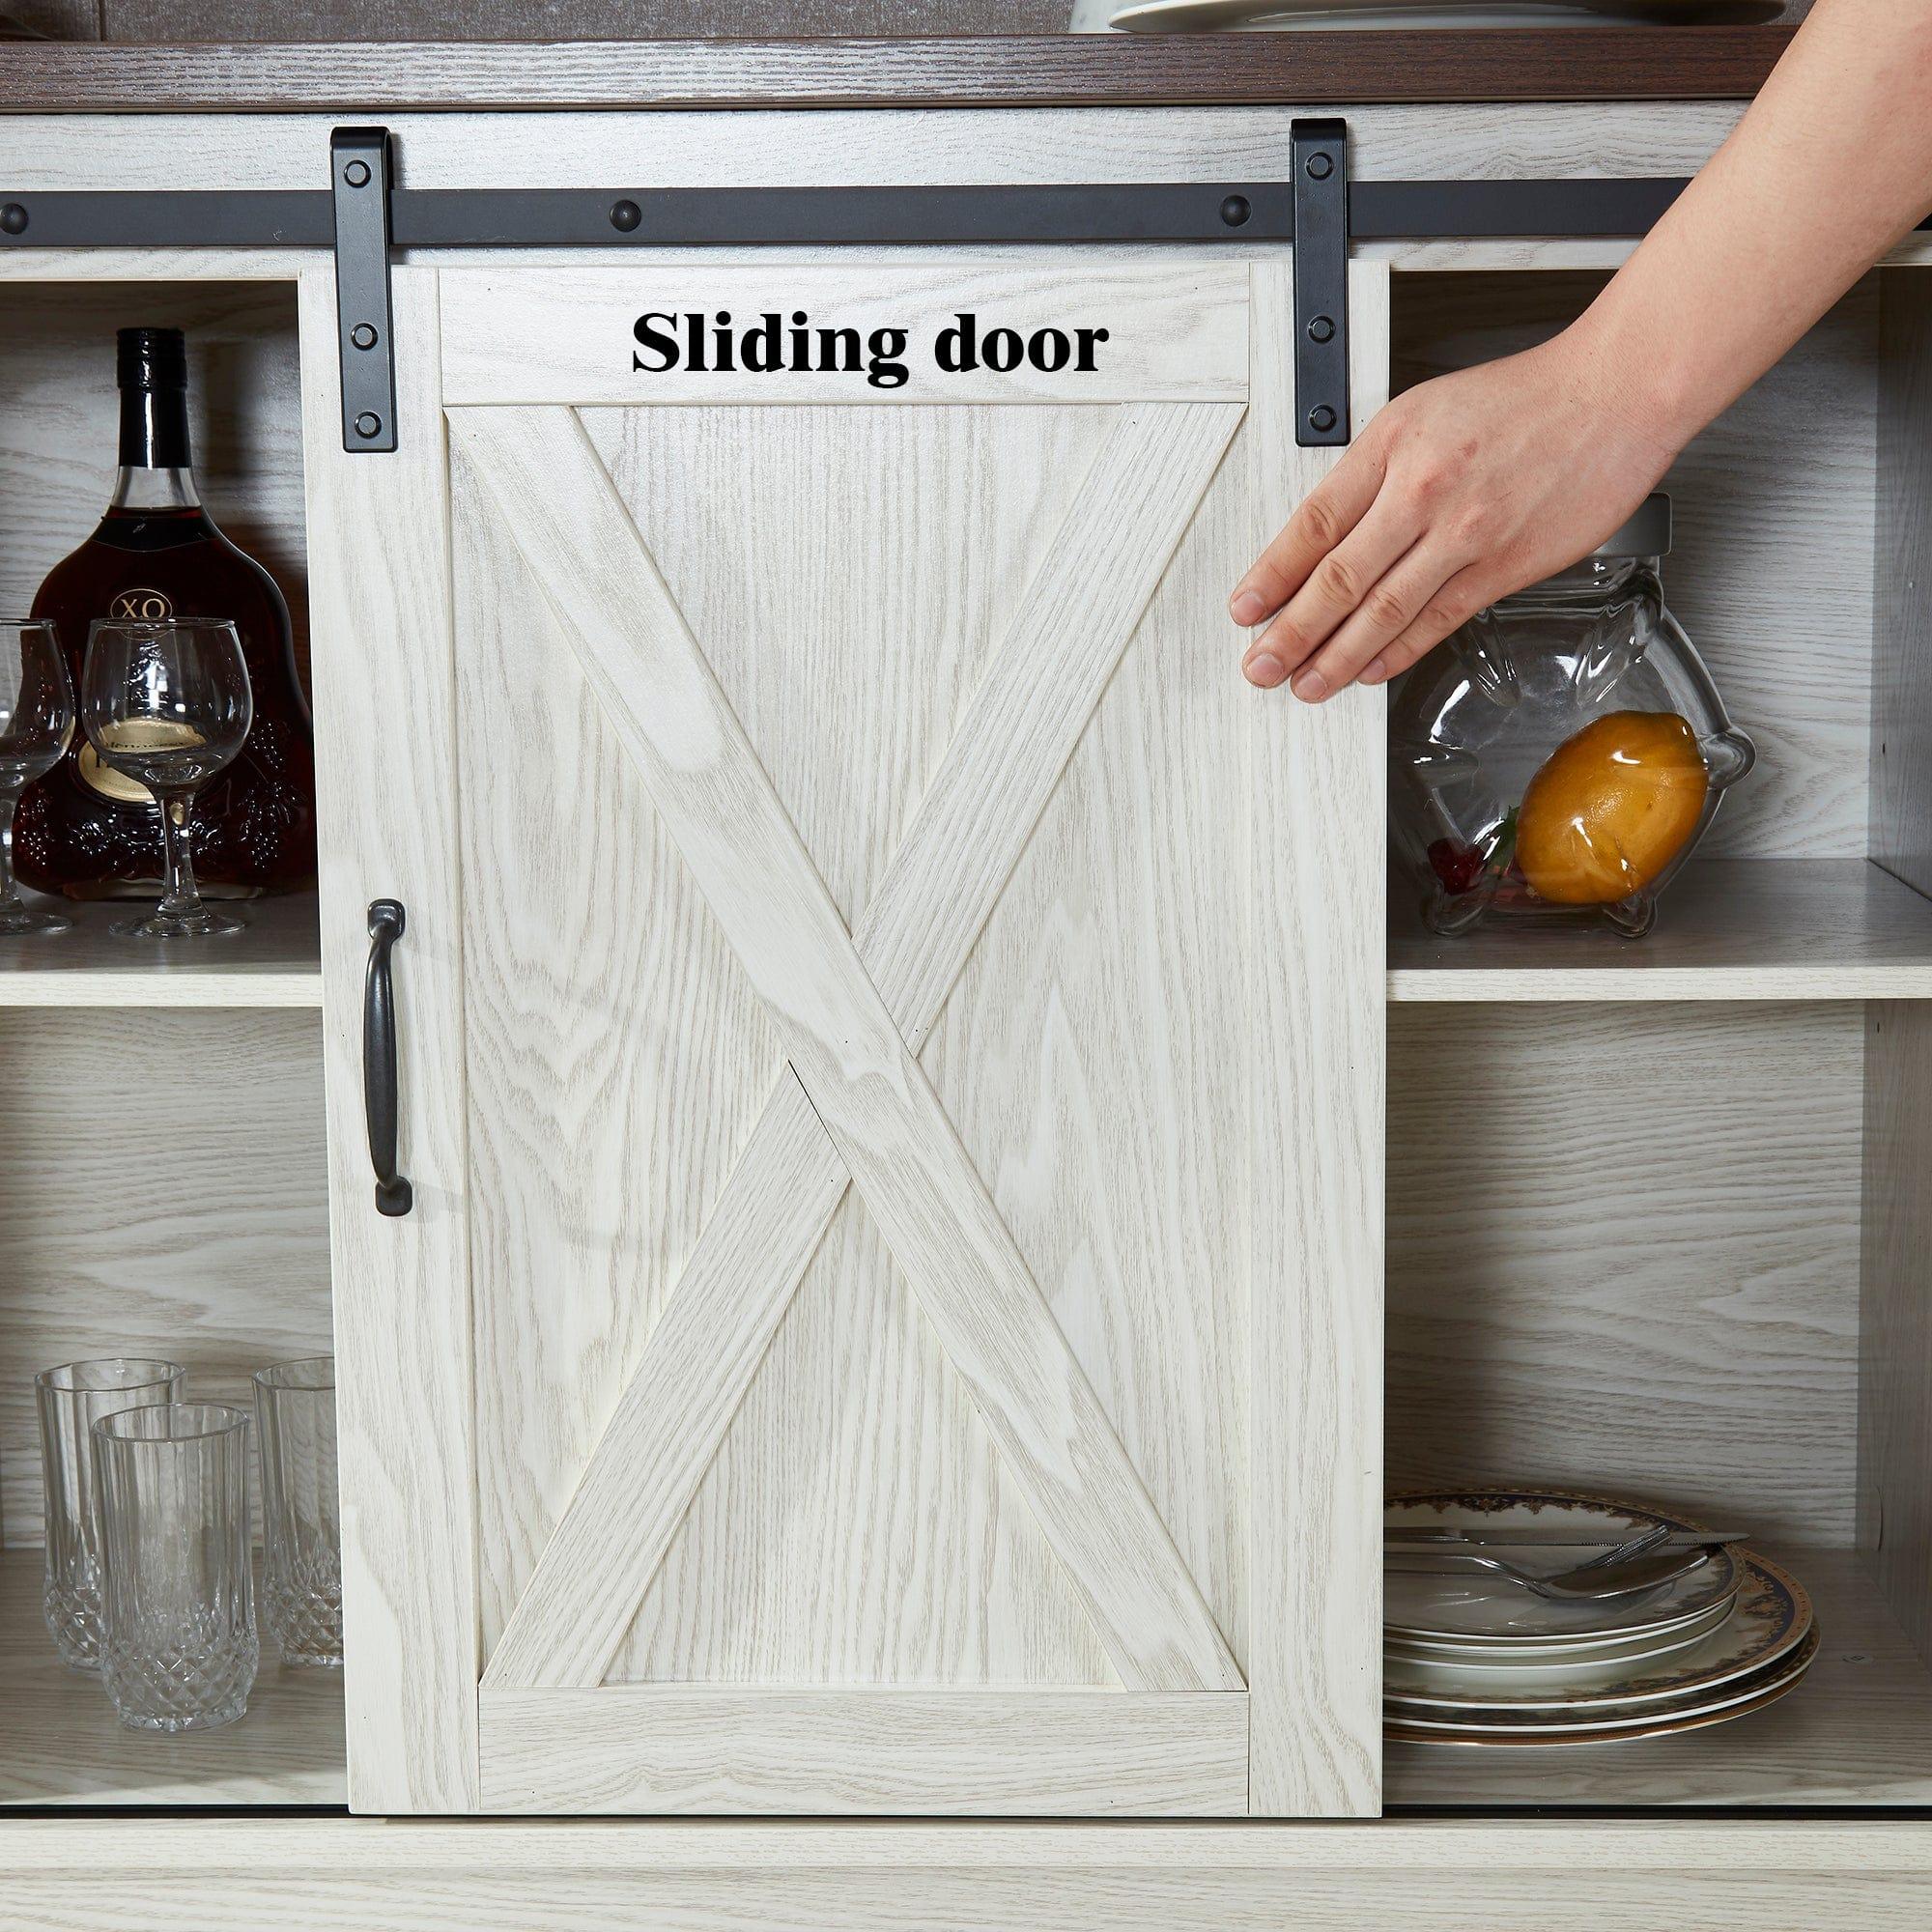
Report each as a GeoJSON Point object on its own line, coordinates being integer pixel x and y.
{"type": "Point", "coordinates": [1858, 1731]}
{"type": "Point", "coordinates": [275, 964]}
{"type": "Point", "coordinates": [1729, 930]}
{"type": "Point", "coordinates": [59, 1743]}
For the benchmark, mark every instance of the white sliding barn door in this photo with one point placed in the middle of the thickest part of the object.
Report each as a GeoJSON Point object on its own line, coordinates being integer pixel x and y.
{"type": "Point", "coordinates": [921, 1081]}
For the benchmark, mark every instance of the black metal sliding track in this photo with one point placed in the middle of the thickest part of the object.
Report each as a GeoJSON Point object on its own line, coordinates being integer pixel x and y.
{"type": "Point", "coordinates": [362, 215]}
{"type": "Point", "coordinates": [484, 217]}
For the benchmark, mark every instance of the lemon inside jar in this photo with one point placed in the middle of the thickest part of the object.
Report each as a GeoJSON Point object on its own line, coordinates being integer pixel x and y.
{"type": "Point", "coordinates": [1611, 808]}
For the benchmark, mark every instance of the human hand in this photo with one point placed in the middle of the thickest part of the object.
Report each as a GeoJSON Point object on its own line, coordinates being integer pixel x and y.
{"type": "Point", "coordinates": [1460, 491]}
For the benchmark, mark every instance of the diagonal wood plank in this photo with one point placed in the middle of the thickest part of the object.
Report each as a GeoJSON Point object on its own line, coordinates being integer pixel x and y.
{"type": "Point", "coordinates": [939, 889]}
{"type": "Point", "coordinates": [560, 510]}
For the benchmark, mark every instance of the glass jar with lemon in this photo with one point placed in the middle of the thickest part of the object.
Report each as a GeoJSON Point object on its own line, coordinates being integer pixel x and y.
{"type": "Point", "coordinates": [1560, 756]}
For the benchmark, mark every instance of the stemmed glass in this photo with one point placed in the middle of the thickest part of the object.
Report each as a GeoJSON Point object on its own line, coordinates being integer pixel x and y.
{"type": "Point", "coordinates": [36, 722]}
{"type": "Point", "coordinates": [169, 704]}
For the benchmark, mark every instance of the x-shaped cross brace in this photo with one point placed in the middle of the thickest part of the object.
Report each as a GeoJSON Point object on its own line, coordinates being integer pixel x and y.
{"type": "Point", "coordinates": [851, 1010]}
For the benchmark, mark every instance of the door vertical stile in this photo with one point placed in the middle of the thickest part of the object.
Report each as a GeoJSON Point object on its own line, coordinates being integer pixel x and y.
{"type": "Point", "coordinates": [387, 779]}
{"type": "Point", "coordinates": [1315, 805]}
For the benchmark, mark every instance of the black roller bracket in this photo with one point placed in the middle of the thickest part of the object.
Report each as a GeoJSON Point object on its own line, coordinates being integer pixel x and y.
{"type": "Point", "coordinates": [1319, 156]}
{"type": "Point", "coordinates": [361, 175]}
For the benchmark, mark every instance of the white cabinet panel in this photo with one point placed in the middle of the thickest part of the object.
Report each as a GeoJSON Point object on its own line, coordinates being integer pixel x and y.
{"type": "Point", "coordinates": [924, 1356]}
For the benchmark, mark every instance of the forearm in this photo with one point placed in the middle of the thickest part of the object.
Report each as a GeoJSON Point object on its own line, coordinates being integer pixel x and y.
{"type": "Point", "coordinates": [1830, 167]}
{"type": "Point", "coordinates": [1469, 487]}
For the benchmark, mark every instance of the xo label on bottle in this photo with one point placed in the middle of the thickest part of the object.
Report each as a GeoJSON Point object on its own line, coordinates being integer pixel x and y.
{"type": "Point", "coordinates": [141, 607]}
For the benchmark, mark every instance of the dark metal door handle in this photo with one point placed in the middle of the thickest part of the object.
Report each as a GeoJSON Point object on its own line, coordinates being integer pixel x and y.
{"type": "Point", "coordinates": [387, 921]}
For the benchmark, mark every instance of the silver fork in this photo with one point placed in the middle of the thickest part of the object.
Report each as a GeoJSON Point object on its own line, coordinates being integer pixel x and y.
{"type": "Point", "coordinates": [1642, 1542]}
{"type": "Point", "coordinates": [1589, 1582]}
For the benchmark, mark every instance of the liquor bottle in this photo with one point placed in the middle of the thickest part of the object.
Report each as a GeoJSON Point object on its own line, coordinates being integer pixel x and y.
{"type": "Point", "coordinates": [90, 831]}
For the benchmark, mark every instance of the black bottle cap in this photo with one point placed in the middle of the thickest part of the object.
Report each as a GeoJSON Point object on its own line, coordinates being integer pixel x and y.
{"type": "Point", "coordinates": [151, 358]}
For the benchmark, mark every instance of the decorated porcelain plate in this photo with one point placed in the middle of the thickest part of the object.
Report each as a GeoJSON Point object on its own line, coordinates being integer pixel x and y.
{"type": "Point", "coordinates": [1193, 16]}
{"type": "Point", "coordinates": [1538, 1727]}
{"type": "Point", "coordinates": [1558, 1650]}
{"type": "Point", "coordinates": [1772, 1618]}
{"type": "Point", "coordinates": [1495, 1663]}
{"type": "Point", "coordinates": [1472, 1606]}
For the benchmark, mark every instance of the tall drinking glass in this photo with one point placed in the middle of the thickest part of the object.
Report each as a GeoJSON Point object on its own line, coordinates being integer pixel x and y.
{"type": "Point", "coordinates": [169, 704]}
{"type": "Point", "coordinates": [36, 722]}
{"type": "Point", "coordinates": [70, 1401]}
{"type": "Point", "coordinates": [179, 1649]}
{"type": "Point", "coordinates": [301, 1533]}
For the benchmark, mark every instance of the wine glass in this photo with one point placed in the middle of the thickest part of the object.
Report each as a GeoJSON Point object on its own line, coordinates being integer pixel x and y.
{"type": "Point", "coordinates": [169, 704]}
{"type": "Point", "coordinates": [36, 722]}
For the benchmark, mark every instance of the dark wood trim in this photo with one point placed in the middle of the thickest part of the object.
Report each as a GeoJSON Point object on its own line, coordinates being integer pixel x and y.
{"type": "Point", "coordinates": [1611, 63]}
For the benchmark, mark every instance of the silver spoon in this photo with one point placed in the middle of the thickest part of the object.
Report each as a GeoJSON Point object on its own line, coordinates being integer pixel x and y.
{"type": "Point", "coordinates": [1586, 1584]}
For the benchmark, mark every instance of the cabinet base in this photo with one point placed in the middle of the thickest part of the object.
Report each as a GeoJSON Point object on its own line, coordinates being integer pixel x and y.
{"type": "Point", "coordinates": [358, 1875]}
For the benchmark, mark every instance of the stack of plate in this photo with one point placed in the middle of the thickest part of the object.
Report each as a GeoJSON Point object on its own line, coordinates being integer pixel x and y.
{"type": "Point", "coordinates": [1475, 1659]}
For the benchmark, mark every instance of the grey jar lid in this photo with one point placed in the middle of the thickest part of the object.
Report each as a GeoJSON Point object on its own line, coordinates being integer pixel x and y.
{"type": "Point", "coordinates": [1646, 534]}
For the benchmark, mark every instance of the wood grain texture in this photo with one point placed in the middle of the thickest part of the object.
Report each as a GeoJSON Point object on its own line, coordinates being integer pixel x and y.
{"type": "Point", "coordinates": [59, 412]}
{"type": "Point", "coordinates": [1773, 508]}
{"type": "Point", "coordinates": [384, 701]}
{"type": "Point", "coordinates": [1895, 1520]}
{"type": "Point", "coordinates": [1729, 930]}
{"type": "Point", "coordinates": [1083, 1056]}
{"type": "Point", "coordinates": [1720, 1874]}
{"type": "Point", "coordinates": [1446, 1851]}
{"type": "Point", "coordinates": [1575, 252]}
{"type": "Point", "coordinates": [216, 1256]}
{"type": "Point", "coordinates": [750, 147]}
{"type": "Point", "coordinates": [566, 338]}
{"type": "Point", "coordinates": [856, 1526]}
{"type": "Point", "coordinates": [1625, 63]}
{"type": "Point", "coordinates": [758, 879]}
{"type": "Point", "coordinates": [274, 963]}
{"type": "Point", "coordinates": [1316, 792]}
{"type": "Point", "coordinates": [1901, 733]}
{"type": "Point", "coordinates": [61, 1743]}
{"type": "Point", "coordinates": [1858, 1731]}
{"type": "Point", "coordinates": [71, 266]}
{"type": "Point", "coordinates": [601, 1000]}
{"type": "Point", "coordinates": [935, 895]}
{"type": "Point", "coordinates": [353, 20]}
{"type": "Point", "coordinates": [1622, 1259]}
{"type": "Point", "coordinates": [167, 21]}
{"type": "Point", "coordinates": [688, 1747]}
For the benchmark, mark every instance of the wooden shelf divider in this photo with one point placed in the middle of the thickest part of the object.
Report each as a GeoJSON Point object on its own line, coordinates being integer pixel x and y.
{"type": "Point", "coordinates": [276, 962]}
{"type": "Point", "coordinates": [1729, 930]}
